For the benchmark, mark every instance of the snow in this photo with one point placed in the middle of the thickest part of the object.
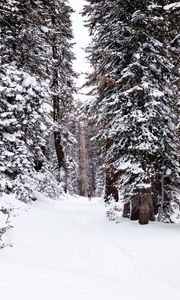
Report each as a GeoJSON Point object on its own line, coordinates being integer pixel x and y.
{"type": "Point", "coordinates": [68, 250]}
{"type": "Point", "coordinates": [172, 5]}
{"type": "Point", "coordinates": [3, 219]}
{"type": "Point", "coordinates": [156, 93]}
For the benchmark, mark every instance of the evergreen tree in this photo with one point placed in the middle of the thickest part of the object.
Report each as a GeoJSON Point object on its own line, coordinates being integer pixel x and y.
{"type": "Point", "coordinates": [57, 35]}
{"type": "Point", "coordinates": [35, 91]}
{"type": "Point", "coordinates": [133, 72]}
{"type": "Point", "coordinates": [20, 103]}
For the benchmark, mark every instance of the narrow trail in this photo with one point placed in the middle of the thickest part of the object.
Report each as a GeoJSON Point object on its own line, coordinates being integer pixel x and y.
{"type": "Point", "coordinates": [68, 250]}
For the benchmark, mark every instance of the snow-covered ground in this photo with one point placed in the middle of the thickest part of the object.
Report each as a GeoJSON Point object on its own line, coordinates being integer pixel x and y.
{"type": "Point", "coordinates": [68, 250]}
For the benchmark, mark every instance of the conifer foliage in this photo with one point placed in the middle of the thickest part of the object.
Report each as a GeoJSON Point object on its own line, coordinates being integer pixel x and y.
{"type": "Point", "coordinates": [135, 109]}
{"type": "Point", "coordinates": [36, 87]}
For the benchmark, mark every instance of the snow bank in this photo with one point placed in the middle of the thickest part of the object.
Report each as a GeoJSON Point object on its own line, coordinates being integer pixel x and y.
{"type": "Point", "coordinates": [9, 208]}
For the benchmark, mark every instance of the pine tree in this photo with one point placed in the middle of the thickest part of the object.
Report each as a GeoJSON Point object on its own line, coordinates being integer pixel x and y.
{"type": "Point", "coordinates": [57, 34]}
{"type": "Point", "coordinates": [133, 72]}
{"type": "Point", "coordinates": [20, 103]}
{"type": "Point", "coordinates": [36, 70]}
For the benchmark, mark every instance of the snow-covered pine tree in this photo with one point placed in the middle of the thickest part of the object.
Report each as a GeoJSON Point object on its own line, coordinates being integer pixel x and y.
{"type": "Point", "coordinates": [56, 30]}
{"type": "Point", "coordinates": [21, 124]}
{"type": "Point", "coordinates": [20, 103]}
{"type": "Point", "coordinates": [133, 72]}
{"type": "Point", "coordinates": [62, 84]}
{"type": "Point", "coordinates": [28, 66]}
{"type": "Point", "coordinates": [172, 17]}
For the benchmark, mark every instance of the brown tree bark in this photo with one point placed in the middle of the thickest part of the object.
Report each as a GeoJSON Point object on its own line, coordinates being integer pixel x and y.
{"type": "Point", "coordinates": [57, 116]}
{"type": "Point", "coordinates": [126, 210]}
{"type": "Point", "coordinates": [156, 192]}
{"type": "Point", "coordinates": [134, 216]}
{"type": "Point", "coordinates": [111, 191]}
{"type": "Point", "coordinates": [151, 210]}
{"type": "Point", "coordinates": [144, 209]}
{"type": "Point", "coordinates": [146, 212]}
{"type": "Point", "coordinates": [85, 182]}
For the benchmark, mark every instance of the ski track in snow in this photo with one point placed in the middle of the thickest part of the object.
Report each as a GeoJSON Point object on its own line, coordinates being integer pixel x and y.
{"type": "Point", "coordinates": [68, 250]}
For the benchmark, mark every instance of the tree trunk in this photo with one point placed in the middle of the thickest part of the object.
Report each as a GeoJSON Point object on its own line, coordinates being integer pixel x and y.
{"type": "Point", "coordinates": [111, 191]}
{"type": "Point", "coordinates": [146, 212]}
{"type": "Point", "coordinates": [134, 216]}
{"type": "Point", "coordinates": [84, 160]}
{"type": "Point", "coordinates": [57, 116]}
{"type": "Point", "coordinates": [151, 211]}
{"type": "Point", "coordinates": [126, 210]}
{"type": "Point", "coordinates": [156, 192]}
{"type": "Point", "coordinates": [142, 207]}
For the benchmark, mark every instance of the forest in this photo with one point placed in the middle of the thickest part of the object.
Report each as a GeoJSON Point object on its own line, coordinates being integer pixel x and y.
{"type": "Point", "coordinates": [78, 175]}
{"type": "Point", "coordinates": [121, 144]}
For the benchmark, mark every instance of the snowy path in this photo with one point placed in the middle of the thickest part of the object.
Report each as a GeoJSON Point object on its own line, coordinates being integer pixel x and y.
{"type": "Point", "coordinates": [68, 250]}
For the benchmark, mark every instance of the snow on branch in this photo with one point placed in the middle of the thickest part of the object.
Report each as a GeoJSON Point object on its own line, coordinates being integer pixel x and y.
{"type": "Point", "coordinates": [172, 5]}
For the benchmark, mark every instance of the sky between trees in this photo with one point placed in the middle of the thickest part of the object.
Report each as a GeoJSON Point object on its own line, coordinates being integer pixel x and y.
{"type": "Point", "coordinates": [81, 38]}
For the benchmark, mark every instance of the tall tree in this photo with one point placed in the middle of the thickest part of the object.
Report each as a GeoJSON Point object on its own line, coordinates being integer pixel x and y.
{"type": "Point", "coordinates": [22, 118]}
{"type": "Point", "coordinates": [134, 108]}
{"type": "Point", "coordinates": [36, 88]}
{"type": "Point", "coordinates": [62, 84]}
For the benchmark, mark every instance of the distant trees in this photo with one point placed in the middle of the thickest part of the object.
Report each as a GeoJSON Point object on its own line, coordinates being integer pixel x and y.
{"type": "Point", "coordinates": [36, 87]}
{"type": "Point", "coordinates": [134, 56]}
{"type": "Point", "coordinates": [90, 164]}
